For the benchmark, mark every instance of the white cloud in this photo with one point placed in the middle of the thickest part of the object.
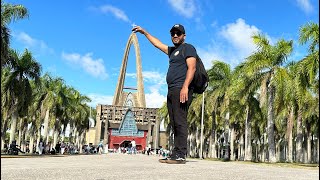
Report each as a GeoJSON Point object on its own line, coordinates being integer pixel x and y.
{"type": "Point", "coordinates": [150, 76]}
{"type": "Point", "coordinates": [235, 46]}
{"type": "Point", "coordinates": [118, 13]}
{"type": "Point", "coordinates": [99, 99]}
{"type": "Point", "coordinates": [239, 34]}
{"type": "Point", "coordinates": [158, 82]}
{"type": "Point", "coordinates": [32, 43]}
{"type": "Point", "coordinates": [92, 66]}
{"type": "Point", "coordinates": [155, 99]}
{"type": "Point", "coordinates": [154, 77]}
{"type": "Point", "coordinates": [186, 8]}
{"type": "Point", "coordinates": [210, 54]}
{"type": "Point", "coordinates": [131, 75]}
{"type": "Point", "coordinates": [305, 5]}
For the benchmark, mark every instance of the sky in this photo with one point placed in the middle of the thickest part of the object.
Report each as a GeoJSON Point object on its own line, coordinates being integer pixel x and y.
{"type": "Point", "coordinates": [83, 41]}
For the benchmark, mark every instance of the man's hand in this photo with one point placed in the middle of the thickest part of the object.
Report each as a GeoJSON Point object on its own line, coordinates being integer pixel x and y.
{"type": "Point", "coordinates": [138, 29]}
{"type": "Point", "coordinates": [184, 94]}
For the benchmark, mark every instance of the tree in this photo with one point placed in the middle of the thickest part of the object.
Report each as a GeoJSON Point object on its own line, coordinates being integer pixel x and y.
{"type": "Point", "coordinates": [17, 88]}
{"type": "Point", "coordinates": [262, 66]}
{"type": "Point", "coordinates": [9, 13]}
{"type": "Point", "coordinates": [220, 76]}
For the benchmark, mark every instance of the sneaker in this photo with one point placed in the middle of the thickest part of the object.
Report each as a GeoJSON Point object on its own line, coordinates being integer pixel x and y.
{"type": "Point", "coordinates": [163, 160]}
{"type": "Point", "coordinates": [176, 160]}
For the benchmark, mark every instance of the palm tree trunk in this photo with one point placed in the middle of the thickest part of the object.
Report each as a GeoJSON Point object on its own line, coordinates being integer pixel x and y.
{"type": "Point", "coordinates": [24, 140]}
{"type": "Point", "coordinates": [75, 133]}
{"type": "Point", "coordinates": [232, 139]}
{"type": "Point", "coordinates": [76, 144]}
{"type": "Point", "coordinates": [271, 142]}
{"type": "Point", "coordinates": [227, 139]}
{"type": "Point", "coordinates": [278, 149]}
{"type": "Point", "coordinates": [241, 148]}
{"type": "Point", "coordinates": [31, 144]}
{"type": "Point", "coordinates": [190, 144]}
{"type": "Point", "coordinates": [2, 143]}
{"type": "Point", "coordinates": [55, 137]}
{"type": "Point", "coordinates": [81, 142]}
{"type": "Point", "coordinates": [299, 150]}
{"type": "Point", "coordinates": [289, 135]}
{"type": "Point", "coordinates": [38, 138]}
{"type": "Point", "coordinates": [304, 147]}
{"type": "Point", "coordinates": [13, 126]}
{"type": "Point", "coordinates": [318, 149]}
{"type": "Point", "coordinates": [19, 131]}
{"type": "Point", "coordinates": [64, 127]}
{"type": "Point", "coordinates": [247, 140]}
{"type": "Point", "coordinates": [218, 150]}
{"type": "Point", "coordinates": [309, 155]}
{"type": "Point", "coordinates": [3, 133]}
{"type": "Point", "coordinates": [46, 126]}
{"type": "Point", "coordinates": [264, 148]}
{"type": "Point", "coordinates": [197, 137]}
{"type": "Point", "coordinates": [213, 138]}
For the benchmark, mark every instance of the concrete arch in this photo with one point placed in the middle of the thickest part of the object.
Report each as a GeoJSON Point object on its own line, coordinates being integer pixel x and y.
{"type": "Point", "coordinates": [120, 96]}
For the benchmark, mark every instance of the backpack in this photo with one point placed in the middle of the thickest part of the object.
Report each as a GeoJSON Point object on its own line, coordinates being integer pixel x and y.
{"type": "Point", "coordinates": [200, 79]}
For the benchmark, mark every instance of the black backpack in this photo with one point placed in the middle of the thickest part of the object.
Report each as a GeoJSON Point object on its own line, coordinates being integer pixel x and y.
{"type": "Point", "coordinates": [201, 79]}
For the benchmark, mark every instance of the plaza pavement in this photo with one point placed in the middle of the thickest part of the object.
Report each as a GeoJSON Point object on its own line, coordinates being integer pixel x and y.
{"type": "Point", "coordinates": [140, 166]}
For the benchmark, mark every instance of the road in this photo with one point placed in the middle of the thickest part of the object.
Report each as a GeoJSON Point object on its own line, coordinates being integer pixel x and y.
{"type": "Point", "coordinates": [123, 166]}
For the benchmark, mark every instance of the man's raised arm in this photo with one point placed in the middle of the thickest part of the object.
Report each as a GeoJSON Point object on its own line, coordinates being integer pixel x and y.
{"type": "Point", "coordinates": [156, 42]}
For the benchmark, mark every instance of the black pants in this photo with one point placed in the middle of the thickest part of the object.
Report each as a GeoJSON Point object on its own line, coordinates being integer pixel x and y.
{"type": "Point", "coordinates": [178, 120]}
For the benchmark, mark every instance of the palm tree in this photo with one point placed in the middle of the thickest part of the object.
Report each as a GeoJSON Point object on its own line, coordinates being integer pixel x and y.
{"type": "Point", "coordinates": [47, 99]}
{"type": "Point", "coordinates": [6, 106]}
{"type": "Point", "coordinates": [79, 112]}
{"type": "Point", "coordinates": [244, 89]}
{"type": "Point", "coordinates": [17, 88]}
{"type": "Point", "coordinates": [163, 114]}
{"type": "Point", "coordinates": [262, 66]}
{"type": "Point", "coordinates": [219, 93]}
{"type": "Point", "coordinates": [286, 103]}
{"type": "Point", "coordinates": [307, 77]}
{"type": "Point", "coordinates": [9, 13]}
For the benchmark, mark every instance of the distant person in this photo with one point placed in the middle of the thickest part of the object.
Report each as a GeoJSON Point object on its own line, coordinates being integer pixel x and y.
{"type": "Point", "coordinates": [149, 149]}
{"type": "Point", "coordinates": [41, 147]}
{"type": "Point", "coordinates": [58, 147]}
{"type": "Point", "coordinates": [53, 151]}
{"type": "Point", "coordinates": [133, 147]}
{"type": "Point", "coordinates": [14, 147]}
{"type": "Point", "coordinates": [63, 146]}
{"type": "Point", "coordinates": [100, 147]}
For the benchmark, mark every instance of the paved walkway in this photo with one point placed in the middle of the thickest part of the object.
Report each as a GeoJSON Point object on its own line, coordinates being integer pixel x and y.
{"type": "Point", "coordinates": [123, 166]}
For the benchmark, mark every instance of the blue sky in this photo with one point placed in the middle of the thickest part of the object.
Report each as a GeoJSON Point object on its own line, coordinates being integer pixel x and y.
{"type": "Point", "coordinates": [83, 41]}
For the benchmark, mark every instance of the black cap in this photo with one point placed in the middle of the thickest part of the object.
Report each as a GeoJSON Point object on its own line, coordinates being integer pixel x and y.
{"type": "Point", "coordinates": [178, 27]}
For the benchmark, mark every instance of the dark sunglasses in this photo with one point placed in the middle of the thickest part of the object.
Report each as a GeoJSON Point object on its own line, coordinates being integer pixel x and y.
{"type": "Point", "coordinates": [178, 33]}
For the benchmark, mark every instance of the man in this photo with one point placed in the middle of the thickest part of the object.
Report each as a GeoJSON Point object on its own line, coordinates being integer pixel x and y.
{"type": "Point", "coordinates": [41, 147]}
{"type": "Point", "coordinates": [100, 147]}
{"type": "Point", "coordinates": [182, 66]}
{"type": "Point", "coordinates": [133, 147]}
{"type": "Point", "coordinates": [15, 148]}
